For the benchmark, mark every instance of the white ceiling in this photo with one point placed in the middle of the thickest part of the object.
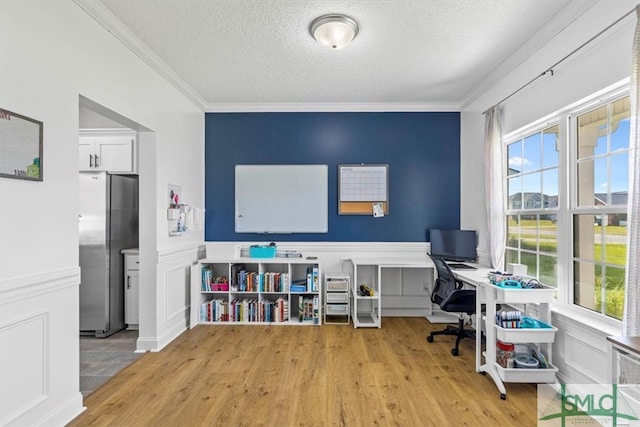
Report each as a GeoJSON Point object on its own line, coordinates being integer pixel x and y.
{"type": "Point", "coordinates": [257, 55]}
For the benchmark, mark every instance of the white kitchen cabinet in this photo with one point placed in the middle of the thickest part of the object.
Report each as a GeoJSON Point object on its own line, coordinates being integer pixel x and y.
{"type": "Point", "coordinates": [113, 153]}
{"type": "Point", "coordinates": [131, 288]}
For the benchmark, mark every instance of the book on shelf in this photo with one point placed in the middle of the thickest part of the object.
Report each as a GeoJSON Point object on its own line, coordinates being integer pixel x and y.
{"type": "Point", "coordinates": [300, 308]}
{"type": "Point", "coordinates": [316, 309]}
{"type": "Point", "coordinates": [315, 273]}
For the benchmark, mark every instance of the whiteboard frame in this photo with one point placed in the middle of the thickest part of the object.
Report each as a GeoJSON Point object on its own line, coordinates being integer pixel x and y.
{"type": "Point", "coordinates": [281, 199]}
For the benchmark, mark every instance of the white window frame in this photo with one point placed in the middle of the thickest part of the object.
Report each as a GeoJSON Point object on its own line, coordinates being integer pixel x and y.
{"type": "Point", "coordinates": [567, 196]}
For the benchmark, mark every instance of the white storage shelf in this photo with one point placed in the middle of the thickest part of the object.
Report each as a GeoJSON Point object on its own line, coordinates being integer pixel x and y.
{"type": "Point", "coordinates": [246, 297]}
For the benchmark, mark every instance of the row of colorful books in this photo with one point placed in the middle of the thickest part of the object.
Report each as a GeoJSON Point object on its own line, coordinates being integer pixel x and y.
{"type": "Point", "coordinates": [216, 310]}
{"type": "Point", "coordinates": [250, 281]}
{"type": "Point", "coordinates": [252, 310]}
{"type": "Point", "coordinates": [246, 310]}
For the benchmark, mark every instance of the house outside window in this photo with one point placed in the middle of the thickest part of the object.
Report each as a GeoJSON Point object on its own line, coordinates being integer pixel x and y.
{"type": "Point", "coordinates": [599, 206]}
{"type": "Point", "coordinates": [532, 205]}
{"type": "Point", "coordinates": [566, 196]}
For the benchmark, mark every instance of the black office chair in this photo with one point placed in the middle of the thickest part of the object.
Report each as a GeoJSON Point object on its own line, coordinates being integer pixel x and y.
{"type": "Point", "coordinates": [450, 296]}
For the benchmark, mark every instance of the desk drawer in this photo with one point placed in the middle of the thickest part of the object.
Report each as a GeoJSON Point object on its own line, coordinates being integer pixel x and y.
{"type": "Point", "coordinates": [341, 309]}
{"type": "Point", "coordinates": [337, 297]}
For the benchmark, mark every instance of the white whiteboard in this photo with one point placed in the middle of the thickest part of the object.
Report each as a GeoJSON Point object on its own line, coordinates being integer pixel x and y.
{"type": "Point", "coordinates": [282, 199]}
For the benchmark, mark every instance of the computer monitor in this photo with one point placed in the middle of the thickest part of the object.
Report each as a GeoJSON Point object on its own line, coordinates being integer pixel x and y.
{"type": "Point", "coordinates": [454, 245]}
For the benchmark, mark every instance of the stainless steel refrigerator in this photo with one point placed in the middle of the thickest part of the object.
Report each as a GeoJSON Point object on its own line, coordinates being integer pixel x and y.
{"type": "Point", "coordinates": [108, 223]}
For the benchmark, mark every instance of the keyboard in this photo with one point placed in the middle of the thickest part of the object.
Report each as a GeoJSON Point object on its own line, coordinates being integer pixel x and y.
{"type": "Point", "coordinates": [458, 266]}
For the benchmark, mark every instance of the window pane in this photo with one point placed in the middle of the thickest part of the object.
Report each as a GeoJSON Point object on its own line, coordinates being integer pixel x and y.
{"type": "Point", "coordinates": [513, 231]}
{"type": "Point", "coordinates": [511, 256]}
{"type": "Point", "coordinates": [585, 229]}
{"type": "Point", "coordinates": [547, 274]}
{"type": "Point", "coordinates": [514, 154]}
{"type": "Point", "coordinates": [529, 232]}
{"type": "Point", "coordinates": [531, 191]}
{"type": "Point", "coordinates": [592, 133]}
{"type": "Point", "coordinates": [613, 292]}
{"type": "Point", "coordinates": [588, 291]}
{"type": "Point", "coordinates": [530, 260]}
{"type": "Point", "coordinates": [619, 184]}
{"type": "Point", "coordinates": [532, 146]}
{"type": "Point", "coordinates": [550, 147]}
{"type": "Point", "coordinates": [548, 232]}
{"type": "Point", "coordinates": [592, 182]}
{"type": "Point", "coordinates": [620, 124]}
{"type": "Point", "coordinates": [550, 188]}
{"type": "Point", "coordinates": [514, 190]}
{"type": "Point", "coordinates": [586, 277]}
{"type": "Point", "coordinates": [615, 239]}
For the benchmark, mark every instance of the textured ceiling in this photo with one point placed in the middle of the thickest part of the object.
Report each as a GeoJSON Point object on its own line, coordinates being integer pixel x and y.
{"type": "Point", "coordinates": [258, 54]}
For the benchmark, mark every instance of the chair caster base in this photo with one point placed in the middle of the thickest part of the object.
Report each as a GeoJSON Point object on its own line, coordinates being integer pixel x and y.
{"type": "Point", "coordinates": [455, 351]}
{"type": "Point", "coordinates": [503, 396]}
{"type": "Point", "coordinates": [429, 338]}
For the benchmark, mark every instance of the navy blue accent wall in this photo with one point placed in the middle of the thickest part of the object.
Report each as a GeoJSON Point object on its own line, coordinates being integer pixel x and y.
{"type": "Point", "coordinates": [421, 149]}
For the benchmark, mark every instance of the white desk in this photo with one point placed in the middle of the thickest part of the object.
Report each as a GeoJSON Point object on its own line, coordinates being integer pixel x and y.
{"type": "Point", "coordinates": [375, 273]}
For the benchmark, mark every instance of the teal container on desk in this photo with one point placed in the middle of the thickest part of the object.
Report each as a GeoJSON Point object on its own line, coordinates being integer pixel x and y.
{"type": "Point", "coordinates": [262, 251]}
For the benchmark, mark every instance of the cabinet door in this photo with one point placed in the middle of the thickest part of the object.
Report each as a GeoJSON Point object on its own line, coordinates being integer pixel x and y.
{"type": "Point", "coordinates": [132, 298]}
{"type": "Point", "coordinates": [114, 154]}
{"type": "Point", "coordinates": [86, 154]}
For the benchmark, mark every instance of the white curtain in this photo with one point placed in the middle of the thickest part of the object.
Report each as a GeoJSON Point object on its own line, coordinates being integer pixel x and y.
{"type": "Point", "coordinates": [494, 184]}
{"type": "Point", "coordinates": [631, 319]}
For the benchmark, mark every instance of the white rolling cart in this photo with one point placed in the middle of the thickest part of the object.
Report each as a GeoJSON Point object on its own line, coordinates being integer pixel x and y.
{"type": "Point", "coordinates": [542, 338]}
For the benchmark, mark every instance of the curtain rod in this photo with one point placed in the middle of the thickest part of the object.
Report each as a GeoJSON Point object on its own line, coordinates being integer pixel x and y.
{"type": "Point", "coordinates": [550, 69]}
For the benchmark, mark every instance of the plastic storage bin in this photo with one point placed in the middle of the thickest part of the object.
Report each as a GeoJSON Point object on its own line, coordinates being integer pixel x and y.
{"type": "Point", "coordinates": [262, 251]}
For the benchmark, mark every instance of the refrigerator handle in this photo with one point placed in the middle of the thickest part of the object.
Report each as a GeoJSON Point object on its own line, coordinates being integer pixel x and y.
{"type": "Point", "coordinates": [128, 281]}
{"type": "Point", "coordinates": [97, 163]}
{"type": "Point", "coordinates": [90, 160]}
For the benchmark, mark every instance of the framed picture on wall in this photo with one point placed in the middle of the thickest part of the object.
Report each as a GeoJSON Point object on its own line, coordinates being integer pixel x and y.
{"type": "Point", "coordinates": [20, 146]}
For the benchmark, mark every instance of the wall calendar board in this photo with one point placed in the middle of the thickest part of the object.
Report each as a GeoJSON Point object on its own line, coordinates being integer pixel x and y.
{"type": "Point", "coordinates": [362, 186]}
{"type": "Point", "coordinates": [20, 146]}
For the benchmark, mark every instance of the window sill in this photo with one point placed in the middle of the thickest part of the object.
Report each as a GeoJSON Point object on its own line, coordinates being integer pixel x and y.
{"type": "Point", "coordinates": [586, 318]}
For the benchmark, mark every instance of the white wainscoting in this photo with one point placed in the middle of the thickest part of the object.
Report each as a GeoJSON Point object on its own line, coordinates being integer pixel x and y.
{"type": "Point", "coordinates": [173, 296]}
{"type": "Point", "coordinates": [39, 349]}
{"type": "Point", "coordinates": [580, 352]}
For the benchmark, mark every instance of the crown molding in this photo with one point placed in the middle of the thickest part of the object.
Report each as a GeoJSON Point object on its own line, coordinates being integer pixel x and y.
{"type": "Point", "coordinates": [331, 107]}
{"type": "Point", "coordinates": [111, 23]}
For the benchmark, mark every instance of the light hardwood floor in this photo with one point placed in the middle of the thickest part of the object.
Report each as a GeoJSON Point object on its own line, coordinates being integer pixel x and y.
{"type": "Point", "coordinates": [332, 375]}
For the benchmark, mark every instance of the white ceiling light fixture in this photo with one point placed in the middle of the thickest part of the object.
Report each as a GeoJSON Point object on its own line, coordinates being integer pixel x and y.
{"type": "Point", "coordinates": [334, 31]}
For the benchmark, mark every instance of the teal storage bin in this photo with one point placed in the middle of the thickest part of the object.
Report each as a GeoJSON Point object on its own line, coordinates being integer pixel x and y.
{"type": "Point", "coordinates": [262, 251]}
